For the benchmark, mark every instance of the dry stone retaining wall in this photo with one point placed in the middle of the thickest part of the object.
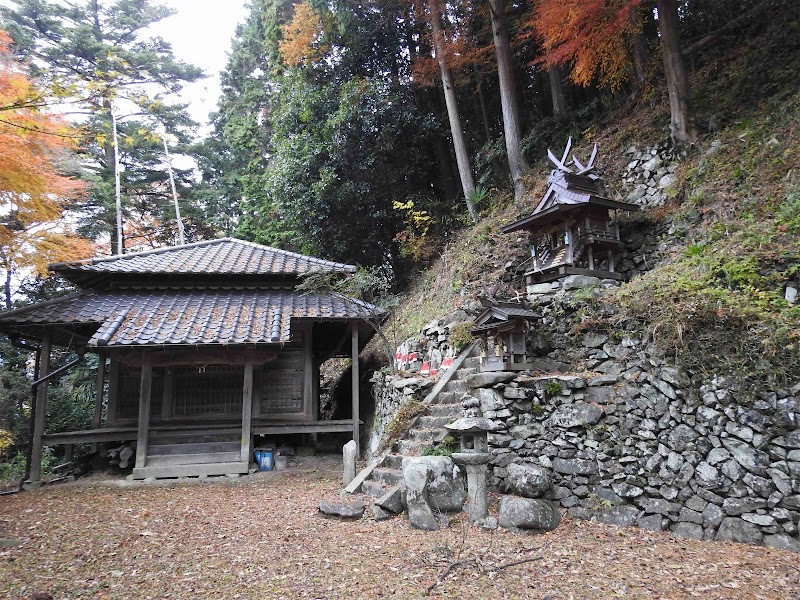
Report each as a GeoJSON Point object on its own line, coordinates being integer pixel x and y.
{"type": "Point", "coordinates": [648, 445]}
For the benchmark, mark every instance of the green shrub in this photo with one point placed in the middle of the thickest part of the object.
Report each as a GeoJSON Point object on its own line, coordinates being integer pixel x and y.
{"type": "Point", "coordinates": [461, 335]}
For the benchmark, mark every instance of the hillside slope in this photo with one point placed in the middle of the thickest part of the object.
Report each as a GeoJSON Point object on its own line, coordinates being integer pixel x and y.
{"type": "Point", "coordinates": [728, 237]}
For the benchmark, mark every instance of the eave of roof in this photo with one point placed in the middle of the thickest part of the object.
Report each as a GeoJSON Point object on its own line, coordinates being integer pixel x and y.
{"type": "Point", "coordinates": [215, 258]}
{"type": "Point", "coordinates": [167, 317]}
{"type": "Point", "coordinates": [553, 212]}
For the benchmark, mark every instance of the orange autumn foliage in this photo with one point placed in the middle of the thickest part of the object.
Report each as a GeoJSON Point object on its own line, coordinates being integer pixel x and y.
{"type": "Point", "coordinates": [592, 35]}
{"type": "Point", "coordinates": [33, 192]}
{"type": "Point", "coordinates": [302, 37]}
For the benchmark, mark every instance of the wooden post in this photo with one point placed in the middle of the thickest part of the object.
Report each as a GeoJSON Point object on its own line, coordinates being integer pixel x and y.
{"type": "Point", "coordinates": [41, 413]}
{"type": "Point", "coordinates": [145, 388]}
{"type": "Point", "coordinates": [308, 371]}
{"type": "Point", "coordinates": [247, 411]}
{"type": "Point", "coordinates": [98, 394]}
{"type": "Point", "coordinates": [355, 387]}
{"type": "Point", "coordinates": [570, 245]}
{"type": "Point", "coordinates": [113, 391]}
{"type": "Point", "coordinates": [167, 398]}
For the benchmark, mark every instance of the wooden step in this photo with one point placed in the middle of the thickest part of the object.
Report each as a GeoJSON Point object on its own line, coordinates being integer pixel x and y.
{"type": "Point", "coordinates": [198, 470]}
{"type": "Point", "coordinates": [193, 448]}
{"type": "Point", "coordinates": [160, 460]}
{"type": "Point", "coordinates": [194, 436]}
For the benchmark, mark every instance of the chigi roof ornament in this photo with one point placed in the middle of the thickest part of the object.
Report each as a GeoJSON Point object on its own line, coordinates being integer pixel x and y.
{"type": "Point", "coordinates": [580, 169]}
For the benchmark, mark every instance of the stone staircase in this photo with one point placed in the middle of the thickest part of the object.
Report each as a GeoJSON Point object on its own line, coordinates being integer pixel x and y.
{"type": "Point", "coordinates": [427, 429]}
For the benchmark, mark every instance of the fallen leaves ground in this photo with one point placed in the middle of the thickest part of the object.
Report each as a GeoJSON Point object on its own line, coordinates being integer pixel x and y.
{"type": "Point", "coordinates": [262, 537]}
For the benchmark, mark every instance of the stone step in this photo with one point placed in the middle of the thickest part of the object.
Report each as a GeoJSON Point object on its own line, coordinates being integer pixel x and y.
{"type": "Point", "coordinates": [373, 488]}
{"type": "Point", "coordinates": [393, 461]}
{"type": "Point", "coordinates": [387, 477]}
{"type": "Point", "coordinates": [446, 398]}
{"type": "Point", "coordinates": [411, 447]}
{"type": "Point", "coordinates": [472, 362]}
{"type": "Point", "coordinates": [445, 410]}
{"type": "Point", "coordinates": [456, 385]}
{"type": "Point", "coordinates": [463, 373]}
{"type": "Point", "coordinates": [433, 422]}
{"type": "Point", "coordinates": [426, 435]}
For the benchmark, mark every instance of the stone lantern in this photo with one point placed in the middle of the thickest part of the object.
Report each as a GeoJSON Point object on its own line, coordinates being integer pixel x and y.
{"type": "Point", "coordinates": [473, 433]}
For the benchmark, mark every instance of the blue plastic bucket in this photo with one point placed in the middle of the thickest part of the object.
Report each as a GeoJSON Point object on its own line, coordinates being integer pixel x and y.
{"type": "Point", "coordinates": [264, 458]}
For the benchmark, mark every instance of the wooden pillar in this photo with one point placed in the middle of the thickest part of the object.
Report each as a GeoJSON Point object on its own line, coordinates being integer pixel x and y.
{"type": "Point", "coordinates": [41, 413]}
{"type": "Point", "coordinates": [570, 245]}
{"type": "Point", "coordinates": [355, 387]}
{"type": "Point", "coordinates": [167, 398]}
{"type": "Point", "coordinates": [590, 252]}
{"type": "Point", "coordinates": [247, 412]}
{"type": "Point", "coordinates": [98, 394]}
{"type": "Point", "coordinates": [308, 371]}
{"type": "Point", "coordinates": [113, 391]}
{"type": "Point", "coordinates": [145, 387]}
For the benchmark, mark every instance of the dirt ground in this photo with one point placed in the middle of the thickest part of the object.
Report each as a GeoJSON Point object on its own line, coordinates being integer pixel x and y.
{"type": "Point", "coordinates": [263, 537]}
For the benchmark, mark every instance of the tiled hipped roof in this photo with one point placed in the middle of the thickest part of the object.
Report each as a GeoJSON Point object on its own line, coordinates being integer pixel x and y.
{"type": "Point", "coordinates": [155, 317]}
{"type": "Point", "coordinates": [225, 256]}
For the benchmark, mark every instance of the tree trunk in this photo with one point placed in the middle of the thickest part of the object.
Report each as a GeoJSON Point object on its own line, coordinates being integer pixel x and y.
{"type": "Point", "coordinates": [560, 110]}
{"type": "Point", "coordinates": [462, 158]}
{"type": "Point", "coordinates": [508, 96]}
{"type": "Point", "coordinates": [681, 129]}
{"type": "Point", "coordinates": [640, 55]}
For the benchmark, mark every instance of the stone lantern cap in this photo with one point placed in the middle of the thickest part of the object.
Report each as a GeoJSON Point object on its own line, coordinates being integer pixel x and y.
{"type": "Point", "coordinates": [472, 425]}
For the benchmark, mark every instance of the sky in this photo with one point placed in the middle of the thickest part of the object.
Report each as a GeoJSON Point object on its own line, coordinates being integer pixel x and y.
{"type": "Point", "coordinates": [200, 33]}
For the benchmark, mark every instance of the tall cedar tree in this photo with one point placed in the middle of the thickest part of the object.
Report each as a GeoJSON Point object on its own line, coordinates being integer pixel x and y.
{"type": "Point", "coordinates": [33, 189]}
{"type": "Point", "coordinates": [97, 55]}
{"type": "Point", "coordinates": [435, 15]}
{"type": "Point", "coordinates": [599, 39]}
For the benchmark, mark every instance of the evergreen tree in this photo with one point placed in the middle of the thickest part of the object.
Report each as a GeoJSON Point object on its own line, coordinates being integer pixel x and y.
{"type": "Point", "coordinates": [97, 57]}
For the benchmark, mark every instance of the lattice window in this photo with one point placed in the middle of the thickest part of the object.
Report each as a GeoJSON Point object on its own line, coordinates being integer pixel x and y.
{"type": "Point", "coordinates": [128, 392]}
{"type": "Point", "coordinates": [207, 391]}
{"type": "Point", "coordinates": [281, 385]}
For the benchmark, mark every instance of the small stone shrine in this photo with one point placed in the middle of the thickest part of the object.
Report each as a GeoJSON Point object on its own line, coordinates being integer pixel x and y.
{"type": "Point", "coordinates": [574, 229]}
{"type": "Point", "coordinates": [502, 327]}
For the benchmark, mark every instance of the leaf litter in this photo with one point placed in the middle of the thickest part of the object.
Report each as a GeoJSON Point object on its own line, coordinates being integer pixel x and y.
{"type": "Point", "coordinates": [263, 537]}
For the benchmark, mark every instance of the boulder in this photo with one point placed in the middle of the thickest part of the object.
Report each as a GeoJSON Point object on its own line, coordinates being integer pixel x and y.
{"type": "Point", "coordinates": [624, 515]}
{"type": "Point", "coordinates": [343, 510]}
{"type": "Point", "coordinates": [416, 478]}
{"type": "Point", "coordinates": [736, 530]}
{"type": "Point", "coordinates": [528, 513]}
{"type": "Point", "coordinates": [575, 466]}
{"type": "Point", "coordinates": [392, 500]}
{"type": "Point", "coordinates": [529, 481]}
{"type": "Point", "coordinates": [688, 530]}
{"type": "Point", "coordinates": [751, 459]}
{"type": "Point", "coordinates": [446, 491]}
{"type": "Point", "coordinates": [580, 414]}
{"type": "Point", "coordinates": [782, 542]}
{"type": "Point", "coordinates": [575, 282]}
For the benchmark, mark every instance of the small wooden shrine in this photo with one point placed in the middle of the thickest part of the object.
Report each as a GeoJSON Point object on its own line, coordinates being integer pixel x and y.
{"type": "Point", "coordinates": [574, 229]}
{"type": "Point", "coordinates": [501, 328]}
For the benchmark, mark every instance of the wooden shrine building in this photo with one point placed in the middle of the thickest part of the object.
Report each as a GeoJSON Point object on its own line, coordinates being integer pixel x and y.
{"type": "Point", "coordinates": [501, 327]}
{"type": "Point", "coordinates": [203, 346]}
{"type": "Point", "coordinates": [574, 228]}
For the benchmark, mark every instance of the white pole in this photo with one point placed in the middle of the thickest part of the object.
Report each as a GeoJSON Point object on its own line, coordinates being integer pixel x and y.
{"type": "Point", "coordinates": [174, 193]}
{"type": "Point", "coordinates": [116, 182]}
